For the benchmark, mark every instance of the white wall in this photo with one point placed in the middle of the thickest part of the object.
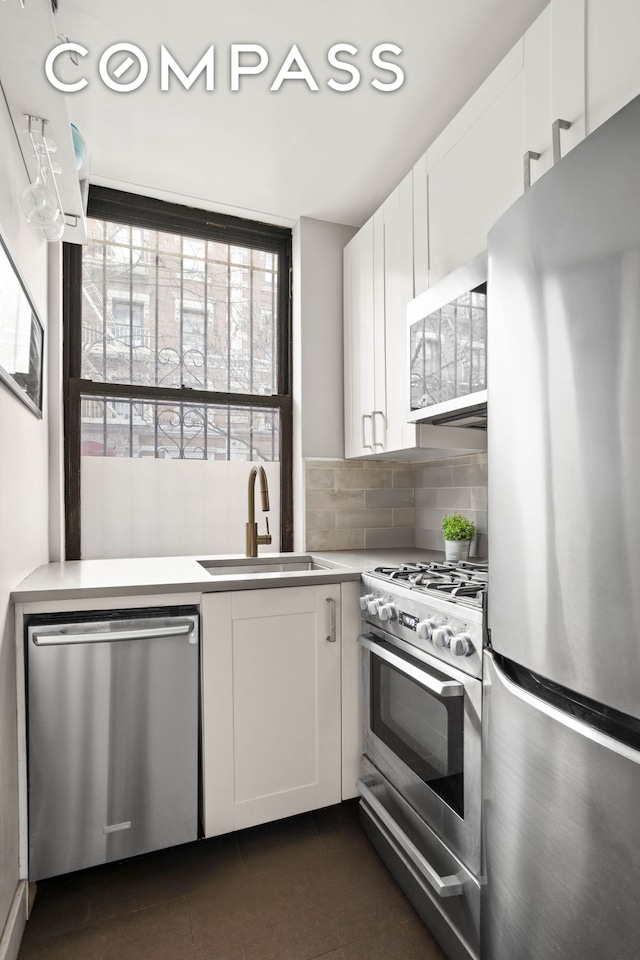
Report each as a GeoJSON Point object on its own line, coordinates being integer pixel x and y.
{"type": "Point", "coordinates": [318, 392]}
{"type": "Point", "coordinates": [23, 499]}
{"type": "Point", "coordinates": [157, 508]}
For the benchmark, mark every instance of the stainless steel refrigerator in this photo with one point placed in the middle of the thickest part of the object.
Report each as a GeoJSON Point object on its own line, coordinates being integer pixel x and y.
{"type": "Point", "coordinates": [561, 760]}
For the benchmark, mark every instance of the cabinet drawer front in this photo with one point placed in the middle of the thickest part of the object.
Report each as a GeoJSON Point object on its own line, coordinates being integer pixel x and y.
{"type": "Point", "coordinates": [246, 604]}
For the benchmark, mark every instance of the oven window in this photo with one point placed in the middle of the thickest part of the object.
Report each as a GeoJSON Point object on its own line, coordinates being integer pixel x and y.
{"type": "Point", "coordinates": [424, 730]}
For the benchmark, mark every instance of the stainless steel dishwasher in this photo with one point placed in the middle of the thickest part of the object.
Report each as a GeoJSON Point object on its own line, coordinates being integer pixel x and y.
{"type": "Point", "coordinates": [113, 735]}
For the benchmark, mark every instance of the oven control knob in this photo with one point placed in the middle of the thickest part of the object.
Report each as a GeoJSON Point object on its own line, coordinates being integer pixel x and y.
{"type": "Point", "coordinates": [364, 601]}
{"type": "Point", "coordinates": [424, 629]}
{"type": "Point", "coordinates": [461, 645]}
{"type": "Point", "coordinates": [373, 607]}
{"type": "Point", "coordinates": [441, 637]}
{"type": "Point", "coordinates": [387, 611]}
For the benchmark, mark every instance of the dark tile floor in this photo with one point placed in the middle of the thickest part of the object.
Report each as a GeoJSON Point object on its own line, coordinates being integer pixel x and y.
{"type": "Point", "coordinates": [307, 887]}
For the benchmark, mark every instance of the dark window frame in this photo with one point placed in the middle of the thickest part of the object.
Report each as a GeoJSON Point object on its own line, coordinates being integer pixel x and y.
{"type": "Point", "coordinates": [119, 207]}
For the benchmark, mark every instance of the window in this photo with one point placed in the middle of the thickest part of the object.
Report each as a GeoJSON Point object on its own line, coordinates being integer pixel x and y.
{"type": "Point", "coordinates": [177, 341]}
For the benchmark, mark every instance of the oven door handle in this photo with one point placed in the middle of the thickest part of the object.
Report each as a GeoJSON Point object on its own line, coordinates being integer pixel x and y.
{"type": "Point", "coordinates": [450, 886]}
{"type": "Point", "coordinates": [443, 688]}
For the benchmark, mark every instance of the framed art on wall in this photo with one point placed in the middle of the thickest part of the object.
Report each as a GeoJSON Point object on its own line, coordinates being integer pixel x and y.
{"type": "Point", "coordinates": [21, 336]}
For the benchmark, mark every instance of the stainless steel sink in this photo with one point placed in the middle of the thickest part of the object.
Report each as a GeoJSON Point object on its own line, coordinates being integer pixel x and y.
{"type": "Point", "coordinates": [259, 565]}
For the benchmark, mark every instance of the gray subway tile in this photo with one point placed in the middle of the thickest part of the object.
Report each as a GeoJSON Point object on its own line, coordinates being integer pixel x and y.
{"type": "Point", "coordinates": [404, 476]}
{"type": "Point", "coordinates": [335, 540]}
{"type": "Point", "coordinates": [319, 478]}
{"type": "Point", "coordinates": [430, 518]}
{"type": "Point", "coordinates": [363, 479]}
{"type": "Point", "coordinates": [357, 519]}
{"type": "Point", "coordinates": [426, 496]}
{"type": "Point", "coordinates": [391, 537]}
{"type": "Point", "coordinates": [482, 545]}
{"type": "Point", "coordinates": [321, 519]}
{"type": "Point", "coordinates": [402, 497]}
{"type": "Point", "coordinates": [470, 475]}
{"type": "Point", "coordinates": [478, 498]}
{"type": "Point", "coordinates": [404, 517]}
{"type": "Point", "coordinates": [321, 499]}
{"type": "Point", "coordinates": [435, 476]}
{"type": "Point", "coordinates": [429, 540]}
{"type": "Point", "coordinates": [454, 498]}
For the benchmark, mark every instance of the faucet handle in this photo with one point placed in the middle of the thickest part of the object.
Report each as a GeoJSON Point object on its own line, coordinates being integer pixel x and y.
{"type": "Point", "coordinates": [264, 538]}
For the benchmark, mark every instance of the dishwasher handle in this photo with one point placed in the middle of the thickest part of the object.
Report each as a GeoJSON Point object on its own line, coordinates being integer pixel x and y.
{"type": "Point", "coordinates": [154, 631]}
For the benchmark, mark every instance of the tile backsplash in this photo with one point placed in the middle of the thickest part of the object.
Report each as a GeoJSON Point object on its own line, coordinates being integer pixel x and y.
{"type": "Point", "coordinates": [357, 505]}
{"type": "Point", "coordinates": [458, 485]}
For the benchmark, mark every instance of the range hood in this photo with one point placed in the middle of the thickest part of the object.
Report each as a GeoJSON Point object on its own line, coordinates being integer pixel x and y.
{"type": "Point", "coordinates": [447, 337]}
{"type": "Point", "coordinates": [468, 411]}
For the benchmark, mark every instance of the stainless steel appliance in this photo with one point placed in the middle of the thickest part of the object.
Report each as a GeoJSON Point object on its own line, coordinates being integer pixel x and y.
{"type": "Point", "coordinates": [113, 706]}
{"type": "Point", "coordinates": [448, 349]}
{"type": "Point", "coordinates": [561, 761]}
{"type": "Point", "coordinates": [420, 786]}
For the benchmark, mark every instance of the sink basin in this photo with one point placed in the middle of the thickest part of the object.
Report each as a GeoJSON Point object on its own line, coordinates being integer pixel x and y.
{"type": "Point", "coordinates": [259, 565]}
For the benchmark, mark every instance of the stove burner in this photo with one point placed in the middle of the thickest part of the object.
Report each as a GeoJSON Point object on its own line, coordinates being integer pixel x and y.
{"type": "Point", "coordinates": [464, 581]}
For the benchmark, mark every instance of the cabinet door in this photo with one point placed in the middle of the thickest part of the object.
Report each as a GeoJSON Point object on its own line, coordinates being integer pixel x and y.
{"type": "Point", "coordinates": [359, 337]}
{"type": "Point", "coordinates": [612, 61]}
{"type": "Point", "coordinates": [568, 70]}
{"type": "Point", "coordinates": [271, 697]}
{"type": "Point", "coordinates": [393, 430]}
{"type": "Point", "coordinates": [420, 227]}
{"type": "Point", "coordinates": [537, 104]}
{"type": "Point", "coordinates": [475, 168]}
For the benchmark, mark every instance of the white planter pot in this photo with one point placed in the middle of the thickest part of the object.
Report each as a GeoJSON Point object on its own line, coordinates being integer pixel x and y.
{"type": "Point", "coordinates": [456, 549]}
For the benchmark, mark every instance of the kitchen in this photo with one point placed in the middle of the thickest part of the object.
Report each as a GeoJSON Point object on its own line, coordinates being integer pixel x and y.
{"type": "Point", "coordinates": [35, 531]}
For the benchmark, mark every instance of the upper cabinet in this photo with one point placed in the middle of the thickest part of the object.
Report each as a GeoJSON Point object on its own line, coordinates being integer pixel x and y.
{"type": "Point", "coordinates": [363, 341]}
{"type": "Point", "coordinates": [381, 264]}
{"type": "Point", "coordinates": [574, 67]}
{"type": "Point", "coordinates": [612, 59]}
{"type": "Point", "coordinates": [474, 168]}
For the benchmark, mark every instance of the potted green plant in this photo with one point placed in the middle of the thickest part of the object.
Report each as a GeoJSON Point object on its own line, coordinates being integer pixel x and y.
{"type": "Point", "coordinates": [458, 533]}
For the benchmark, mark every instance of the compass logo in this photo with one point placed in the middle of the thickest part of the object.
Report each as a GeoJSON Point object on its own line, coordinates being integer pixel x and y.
{"type": "Point", "coordinates": [124, 67]}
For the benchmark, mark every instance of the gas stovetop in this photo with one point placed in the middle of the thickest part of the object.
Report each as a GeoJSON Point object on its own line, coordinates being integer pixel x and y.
{"type": "Point", "coordinates": [462, 582]}
{"type": "Point", "coordinates": [437, 607]}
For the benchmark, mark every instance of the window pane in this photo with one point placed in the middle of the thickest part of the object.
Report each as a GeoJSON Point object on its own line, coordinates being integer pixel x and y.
{"type": "Point", "coordinates": [113, 427]}
{"type": "Point", "coordinates": [161, 308]}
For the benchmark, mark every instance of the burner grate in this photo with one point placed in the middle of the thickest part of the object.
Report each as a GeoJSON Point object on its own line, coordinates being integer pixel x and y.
{"type": "Point", "coordinates": [463, 582]}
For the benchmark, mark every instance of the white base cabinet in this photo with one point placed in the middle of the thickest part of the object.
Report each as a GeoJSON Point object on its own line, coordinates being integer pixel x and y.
{"type": "Point", "coordinates": [271, 704]}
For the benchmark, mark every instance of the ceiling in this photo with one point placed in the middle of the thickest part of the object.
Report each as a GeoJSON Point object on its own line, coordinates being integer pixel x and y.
{"type": "Point", "coordinates": [278, 156]}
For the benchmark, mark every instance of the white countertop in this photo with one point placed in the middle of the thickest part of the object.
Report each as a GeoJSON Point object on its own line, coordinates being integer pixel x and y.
{"type": "Point", "coordinates": [158, 575]}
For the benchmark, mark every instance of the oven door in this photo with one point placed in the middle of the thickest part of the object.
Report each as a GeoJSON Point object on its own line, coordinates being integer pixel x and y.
{"type": "Point", "coordinates": [422, 732]}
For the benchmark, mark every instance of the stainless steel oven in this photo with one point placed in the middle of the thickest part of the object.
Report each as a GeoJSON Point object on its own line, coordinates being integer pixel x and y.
{"type": "Point", "coordinates": [421, 781]}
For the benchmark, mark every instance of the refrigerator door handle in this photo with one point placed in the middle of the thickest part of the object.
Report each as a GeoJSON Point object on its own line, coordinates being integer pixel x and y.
{"type": "Point", "coordinates": [443, 688]}
{"type": "Point", "coordinates": [450, 886]}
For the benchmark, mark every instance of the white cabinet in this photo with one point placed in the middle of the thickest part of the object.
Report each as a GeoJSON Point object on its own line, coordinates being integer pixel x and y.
{"type": "Point", "coordinates": [612, 59]}
{"type": "Point", "coordinates": [420, 227]}
{"type": "Point", "coordinates": [271, 704]}
{"type": "Point", "coordinates": [364, 340]}
{"type": "Point", "coordinates": [475, 168]}
{"type": "Point", "coordinates": [393, 432]}
{"type": "Point", "coordinates": [378, 283]}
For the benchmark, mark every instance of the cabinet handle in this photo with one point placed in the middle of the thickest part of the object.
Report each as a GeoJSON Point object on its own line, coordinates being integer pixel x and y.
{"type": "Point", "coordinates": [376, 413]}
{"type": "Point", "coordinates": [557, 126]}
{"type": "Point", "coordinates": [331, 636]}
{"type": "Point", "coordinates": [366, 416]}
{"type": "Point", "coordinates": [526, 161]}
